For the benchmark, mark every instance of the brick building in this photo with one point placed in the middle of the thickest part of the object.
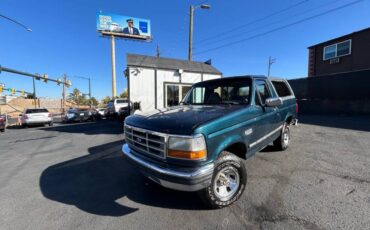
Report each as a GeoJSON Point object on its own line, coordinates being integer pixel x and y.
{"type": "Point", "coordinates": [347, 53]}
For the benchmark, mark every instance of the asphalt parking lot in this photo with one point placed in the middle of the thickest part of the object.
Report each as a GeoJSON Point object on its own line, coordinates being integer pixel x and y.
{"type": "Point", "coordinates": [74, 177]}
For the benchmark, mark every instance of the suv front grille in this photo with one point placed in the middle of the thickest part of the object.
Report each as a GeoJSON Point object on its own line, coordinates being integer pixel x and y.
{"type": "Point", "coordinates": [145, 141]}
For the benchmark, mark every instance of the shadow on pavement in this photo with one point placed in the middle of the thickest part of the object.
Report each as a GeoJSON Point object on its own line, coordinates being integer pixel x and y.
{"type": "Point", "coordinates": [89, 128]}
{"type": "Point", "coordinates": [361, 123]}
{"type": "Point", "coordinates": [95, 183]}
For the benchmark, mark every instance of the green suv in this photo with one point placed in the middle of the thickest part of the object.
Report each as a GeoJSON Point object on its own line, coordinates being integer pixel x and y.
{"type": "Point", "coordinates": [201, 144]}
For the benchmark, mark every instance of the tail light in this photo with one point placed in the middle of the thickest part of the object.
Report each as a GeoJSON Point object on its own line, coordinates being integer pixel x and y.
{"type": "Point", "coordinates": [1, 119]}
{"type": "Point", "coordinates": [296, 107]}
{"type": "Point", "coordinates": [25, 117]}
{"type": "Point", "coordinates": [50, 115]}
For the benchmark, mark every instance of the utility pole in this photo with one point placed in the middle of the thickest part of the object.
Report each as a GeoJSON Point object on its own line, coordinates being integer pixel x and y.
{"type": "Point", "coordinates": [113, 67]}
{"type": "Point", "coordinates": [158, 51]}
{"type": "Point", "coordinates": [90, 92]}
{"type": "Point", "coordinates": [34, 91]}
{"type": "Point", "coordinates": [271, 61]}
{"type": "Point", "coordinates": [190, 52]}
{"type": "Point", "coordinates": [64, 92]}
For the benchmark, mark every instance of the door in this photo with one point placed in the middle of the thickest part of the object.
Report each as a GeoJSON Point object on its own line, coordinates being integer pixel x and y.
{"type": "Point", "coordinates": [265, 120]}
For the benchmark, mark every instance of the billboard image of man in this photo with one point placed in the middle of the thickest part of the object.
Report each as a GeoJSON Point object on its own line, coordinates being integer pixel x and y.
{"type": "Point", "coordinates": [130, 29]}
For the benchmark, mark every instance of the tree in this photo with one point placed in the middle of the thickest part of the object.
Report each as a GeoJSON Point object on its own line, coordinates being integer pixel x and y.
{"type": "Point", "coordinates": [78, 97]}
{"type": "Point", "coordinates": [94, 102]}
{"type": "Point", "coordinates": [106, 100]}
{"type": "Point", "coordinates": [124, 94]}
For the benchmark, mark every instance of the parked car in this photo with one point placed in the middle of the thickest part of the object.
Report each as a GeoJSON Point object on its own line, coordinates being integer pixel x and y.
{"type": "Point", "coordinates": [115, 105]}
{"type": "Point", "coordinates": [3, 122]}
{"type": "Point", "coordinates": [201, 144]}
{"type": "Point", "coordinates": [102, 111]}
{"type": "Point", "coordinates": [81, 115]}
{"type": "Point", "coordinates": [38, 116]}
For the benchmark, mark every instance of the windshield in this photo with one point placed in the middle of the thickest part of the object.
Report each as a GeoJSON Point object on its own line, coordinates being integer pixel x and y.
{"type": "Point", "coordinates": [28, 111]}
{"type": "Point", "coordinates": [224, 91]}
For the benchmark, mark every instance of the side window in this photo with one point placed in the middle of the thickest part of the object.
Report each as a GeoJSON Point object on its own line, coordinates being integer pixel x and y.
{"type": "Point", "coordinates": [262, 91]}
{"type": "Point", "coordinates": [281, 88]}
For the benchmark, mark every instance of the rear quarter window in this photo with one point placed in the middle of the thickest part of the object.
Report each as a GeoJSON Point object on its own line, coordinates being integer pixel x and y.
{"type": "Point", "coordinates": [282, 88]}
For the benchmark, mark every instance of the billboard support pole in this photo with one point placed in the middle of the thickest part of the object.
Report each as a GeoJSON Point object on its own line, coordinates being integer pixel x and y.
{"type": "Point", "coordinates": [113, 67]}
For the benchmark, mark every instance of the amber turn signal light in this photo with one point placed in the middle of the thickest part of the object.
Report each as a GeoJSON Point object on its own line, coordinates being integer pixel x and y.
{"type": "Point", "coordinates": [190, 155]}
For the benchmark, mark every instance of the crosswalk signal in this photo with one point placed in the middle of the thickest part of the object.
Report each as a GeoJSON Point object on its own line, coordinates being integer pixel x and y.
{"type": "Point", "coordinates": [45, 79]}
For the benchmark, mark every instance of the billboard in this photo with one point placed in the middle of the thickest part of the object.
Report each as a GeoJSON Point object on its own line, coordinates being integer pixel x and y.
{"type": "Point", "coordinates": [123, 26]}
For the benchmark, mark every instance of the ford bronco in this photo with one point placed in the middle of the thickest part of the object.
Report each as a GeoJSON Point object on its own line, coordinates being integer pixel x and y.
{"type": "Point", "coordinates": [200, 145]}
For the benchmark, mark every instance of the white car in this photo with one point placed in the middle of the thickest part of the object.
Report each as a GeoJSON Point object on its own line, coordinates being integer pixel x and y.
{"type": "Point", "coordinates": [115, 105]}
{"type": "Point", "coordinates": [39, 116]}
{"type": "Point", "coordinates": [101, 111]}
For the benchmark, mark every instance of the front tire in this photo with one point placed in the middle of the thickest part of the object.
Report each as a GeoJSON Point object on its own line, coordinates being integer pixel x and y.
{"type": "Point", "coordinates": [228, 182]}
{"type": "Point", "coordinates": [282, 142]}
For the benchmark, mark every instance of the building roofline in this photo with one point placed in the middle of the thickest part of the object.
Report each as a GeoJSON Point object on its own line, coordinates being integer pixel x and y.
{"type": "Point", "coordinates": [200, 67]}
{"type": "Point", "coordinates": [343, 36]}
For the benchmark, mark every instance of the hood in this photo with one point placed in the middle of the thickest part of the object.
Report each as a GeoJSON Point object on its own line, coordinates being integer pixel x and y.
{"type": "Point", "coordinates": [179, 119]}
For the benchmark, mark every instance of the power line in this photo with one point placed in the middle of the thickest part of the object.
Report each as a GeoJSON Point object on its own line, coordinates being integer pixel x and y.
{"type": "Point", "coordinates": [16, 22]}
{"type": "Point", "coordinates": [274, 23]}
{"type": "Point", "coordinates": [252, 22]}
{"type": "Point", "coordinates": [281, 27]}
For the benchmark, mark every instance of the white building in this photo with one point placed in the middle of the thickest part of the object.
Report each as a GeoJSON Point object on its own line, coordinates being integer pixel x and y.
{"type": "Point", "coordinates": [158, 82]}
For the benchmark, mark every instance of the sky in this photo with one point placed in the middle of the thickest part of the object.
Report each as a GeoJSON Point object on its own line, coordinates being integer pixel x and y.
{"type": "Point", "coordinates": [245, 33]}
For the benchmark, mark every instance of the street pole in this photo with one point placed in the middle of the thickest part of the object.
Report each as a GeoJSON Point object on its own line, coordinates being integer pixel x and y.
{"type": "Point", "coordinates": [190, 52]}
{"type": "Point", "coordinates": [64, 93]}
{"type": "Point", "coordinates": [271, 61]}
{"type": "Point", "coordinates": [34, 91]}
{"type": "Point", "coordinates": [113, 67]}
{"type": "Point", "coordinates": [90, 92]}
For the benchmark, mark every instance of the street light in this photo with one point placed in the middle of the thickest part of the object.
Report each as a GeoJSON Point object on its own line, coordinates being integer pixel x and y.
{"type": "Point", "coordinates": [16, 22]}
{"type": "Point", "coordinates": [191, 13]}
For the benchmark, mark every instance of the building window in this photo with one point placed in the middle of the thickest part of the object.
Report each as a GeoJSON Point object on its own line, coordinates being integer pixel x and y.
{"type": "Point", "coordinates": [337, 50]}
{"type": "Point", "coordinates": [175, 93]}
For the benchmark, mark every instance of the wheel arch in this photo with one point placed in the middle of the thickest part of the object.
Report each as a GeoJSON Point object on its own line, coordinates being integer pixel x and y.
{"type": "Point", "coordinates": [234, 144]}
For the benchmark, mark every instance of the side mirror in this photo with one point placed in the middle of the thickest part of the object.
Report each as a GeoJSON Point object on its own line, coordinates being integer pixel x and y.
{"type": "Point", "coordinates": [273, 102]}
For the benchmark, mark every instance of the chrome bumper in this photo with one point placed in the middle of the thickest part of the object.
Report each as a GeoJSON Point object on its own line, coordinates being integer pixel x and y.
{"type": "Point", "coordinates": [189, 180]}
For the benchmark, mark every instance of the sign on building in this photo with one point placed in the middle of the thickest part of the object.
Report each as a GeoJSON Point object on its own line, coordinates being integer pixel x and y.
{"type": "Point", "coordinates": [123, 26]}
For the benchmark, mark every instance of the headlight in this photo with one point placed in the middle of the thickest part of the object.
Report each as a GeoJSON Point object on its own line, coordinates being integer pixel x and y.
{"type": "Point", "coordinates": [191, 148]}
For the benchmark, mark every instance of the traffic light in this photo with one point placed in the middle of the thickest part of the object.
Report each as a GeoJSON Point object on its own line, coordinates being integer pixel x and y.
{"type": "Point", "coordinates": [45, 79]}
{"type": "Point", "coordinates": [13, 91]}
{"type": "Point", "coordinates": [59, 81]}
{"type": "Point", "coordinates": [22, 92]}
{"type": "Point", "coordinates": [68, 83]}
{"type": "Point", "coordinates": [1, 89]}
{"type": "Point", "coordinates": [9, 90]}
{"type": "Point", "coordinates": [37, 77]}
